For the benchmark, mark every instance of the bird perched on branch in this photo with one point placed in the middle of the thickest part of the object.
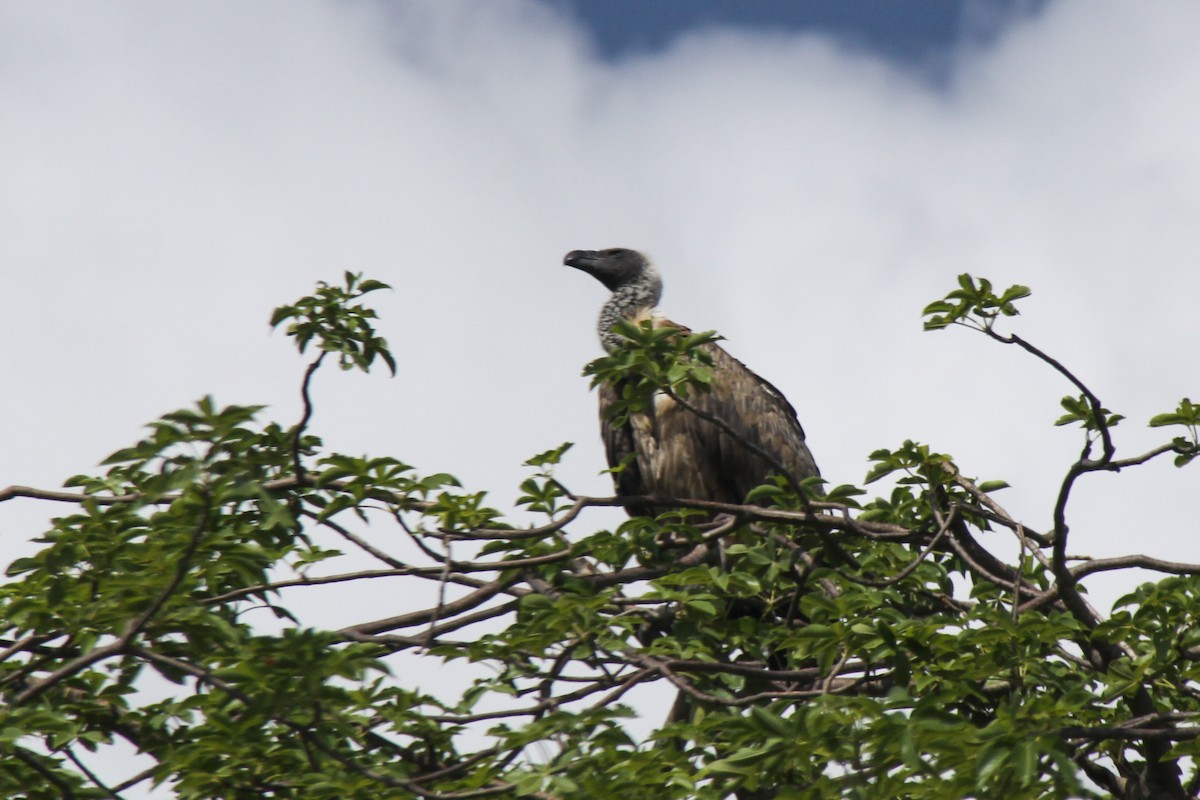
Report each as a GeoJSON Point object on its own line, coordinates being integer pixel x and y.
{"type": "Point", "coordinates": [730, 440]}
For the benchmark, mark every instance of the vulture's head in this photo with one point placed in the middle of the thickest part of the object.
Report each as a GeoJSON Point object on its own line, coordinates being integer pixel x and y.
{"type": "Point", "coordinates": [631, 278]}
{"type": "Point", "coordinates": [614, 267]}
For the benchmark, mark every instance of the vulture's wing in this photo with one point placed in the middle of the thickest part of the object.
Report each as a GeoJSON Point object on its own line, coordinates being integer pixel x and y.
{"type": "Point", "coordinates": [621, 447]}
{"type": "Point", "coordinates": [759, 413]}
{"type": "Point", "coordinates": [680, 454]}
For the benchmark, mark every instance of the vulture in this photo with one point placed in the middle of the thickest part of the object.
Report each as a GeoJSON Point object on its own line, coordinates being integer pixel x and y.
{"type": "Point", "coordinates": [678, 453]}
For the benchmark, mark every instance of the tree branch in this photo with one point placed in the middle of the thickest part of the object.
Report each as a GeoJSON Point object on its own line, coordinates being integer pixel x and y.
{"type": "Point", "coordinates": [1093, 401]}
{"type": "Point", "coordinates": [132, 628]}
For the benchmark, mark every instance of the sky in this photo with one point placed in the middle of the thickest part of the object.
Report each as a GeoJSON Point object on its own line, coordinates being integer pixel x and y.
{"type": "Point", "coordinates": [172, 172]}
{"type": "Point", "coordinates": [919, 37]}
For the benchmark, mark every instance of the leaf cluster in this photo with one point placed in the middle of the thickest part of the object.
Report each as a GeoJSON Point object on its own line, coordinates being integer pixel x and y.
{"type": "Point", "coordinates": [653, 360]}
{"type": "Point", "coordinates": [973, 304]}
{"type": "Point", "coordinates": [334, 317]}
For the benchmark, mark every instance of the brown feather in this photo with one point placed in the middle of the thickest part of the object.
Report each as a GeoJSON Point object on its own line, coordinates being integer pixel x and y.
{"type": "Point", "coordinates": [680, 454]}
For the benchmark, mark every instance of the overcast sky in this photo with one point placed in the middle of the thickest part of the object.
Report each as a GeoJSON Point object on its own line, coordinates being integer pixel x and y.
{"type": "Point", "coordinates": [171, 172]}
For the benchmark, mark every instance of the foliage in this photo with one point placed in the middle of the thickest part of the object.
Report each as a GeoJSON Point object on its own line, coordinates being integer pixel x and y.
{"type": "Point", "coordinates": [655, 359]}
{"type": "Point", "coordinates": [908, 660]}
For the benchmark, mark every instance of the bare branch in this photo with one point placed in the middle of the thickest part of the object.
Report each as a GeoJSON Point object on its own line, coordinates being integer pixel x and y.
{"type": "Point", "coordinates": [91, 776]}
{"type": "Point", "coordinates": [1116, 465]}
{"type": "Point", "coordinates": [1092, 400]}
{"type": "Point", "coordinates": [304, 580]}
{"type": "Point", "coordinates": [1101, 733]}
{"type": "Point", "coordinates": [129, 783]}
{"type": "Point", "coordinates": [359, 542]}
{"type": "Point", "coordinates": [298, 431]}
{"type": "Point", "coordinates": [465, 603]}
{"type": "Point", "coordinates": [999, 514]}
{"type": "Point", "coordinates": [1138, 561]}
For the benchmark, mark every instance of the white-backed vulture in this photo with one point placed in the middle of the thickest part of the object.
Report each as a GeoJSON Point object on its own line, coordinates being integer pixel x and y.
{"type": "Point", "coordinates": [678, 453]}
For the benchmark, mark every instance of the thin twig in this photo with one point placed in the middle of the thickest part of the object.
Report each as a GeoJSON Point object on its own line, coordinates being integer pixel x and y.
{"type": "Point", "coordinates": [1092, 400]}
{"type": "Point", "coordinates": [91, 776]}
{"type": "Point", "coordinates": [453, 608]}
{"type": "Point", "coordinates": [912, 565]}
{"type": "Point", "coordinates": [345, 577]}
{"type": "Point", "coordinates": [827, 683]}
{"type": "Point", "coordinates": [298, 432]}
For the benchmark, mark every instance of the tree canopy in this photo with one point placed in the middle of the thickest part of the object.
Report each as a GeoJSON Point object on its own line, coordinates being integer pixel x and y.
{"type": "Point", "coordinates": [923, 643]}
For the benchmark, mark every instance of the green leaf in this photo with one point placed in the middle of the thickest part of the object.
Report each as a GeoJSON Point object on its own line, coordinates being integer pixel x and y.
{"type": "Point", "coordinates": [993, 758]}
{"type": "Point", "coordinates": [549, 457]}
{"type": "Point", "coordinates": [765, 494]}
{"type": "Point", "coordinates": [771, 721]}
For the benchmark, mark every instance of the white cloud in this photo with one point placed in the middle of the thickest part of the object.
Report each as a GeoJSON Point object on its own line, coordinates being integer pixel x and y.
{"type": "Point", "coordinates": [172, 172]}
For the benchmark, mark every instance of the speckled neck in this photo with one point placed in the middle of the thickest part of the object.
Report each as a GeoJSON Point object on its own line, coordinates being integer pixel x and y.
{"type": "Point", "coordinates": [638, 295]}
